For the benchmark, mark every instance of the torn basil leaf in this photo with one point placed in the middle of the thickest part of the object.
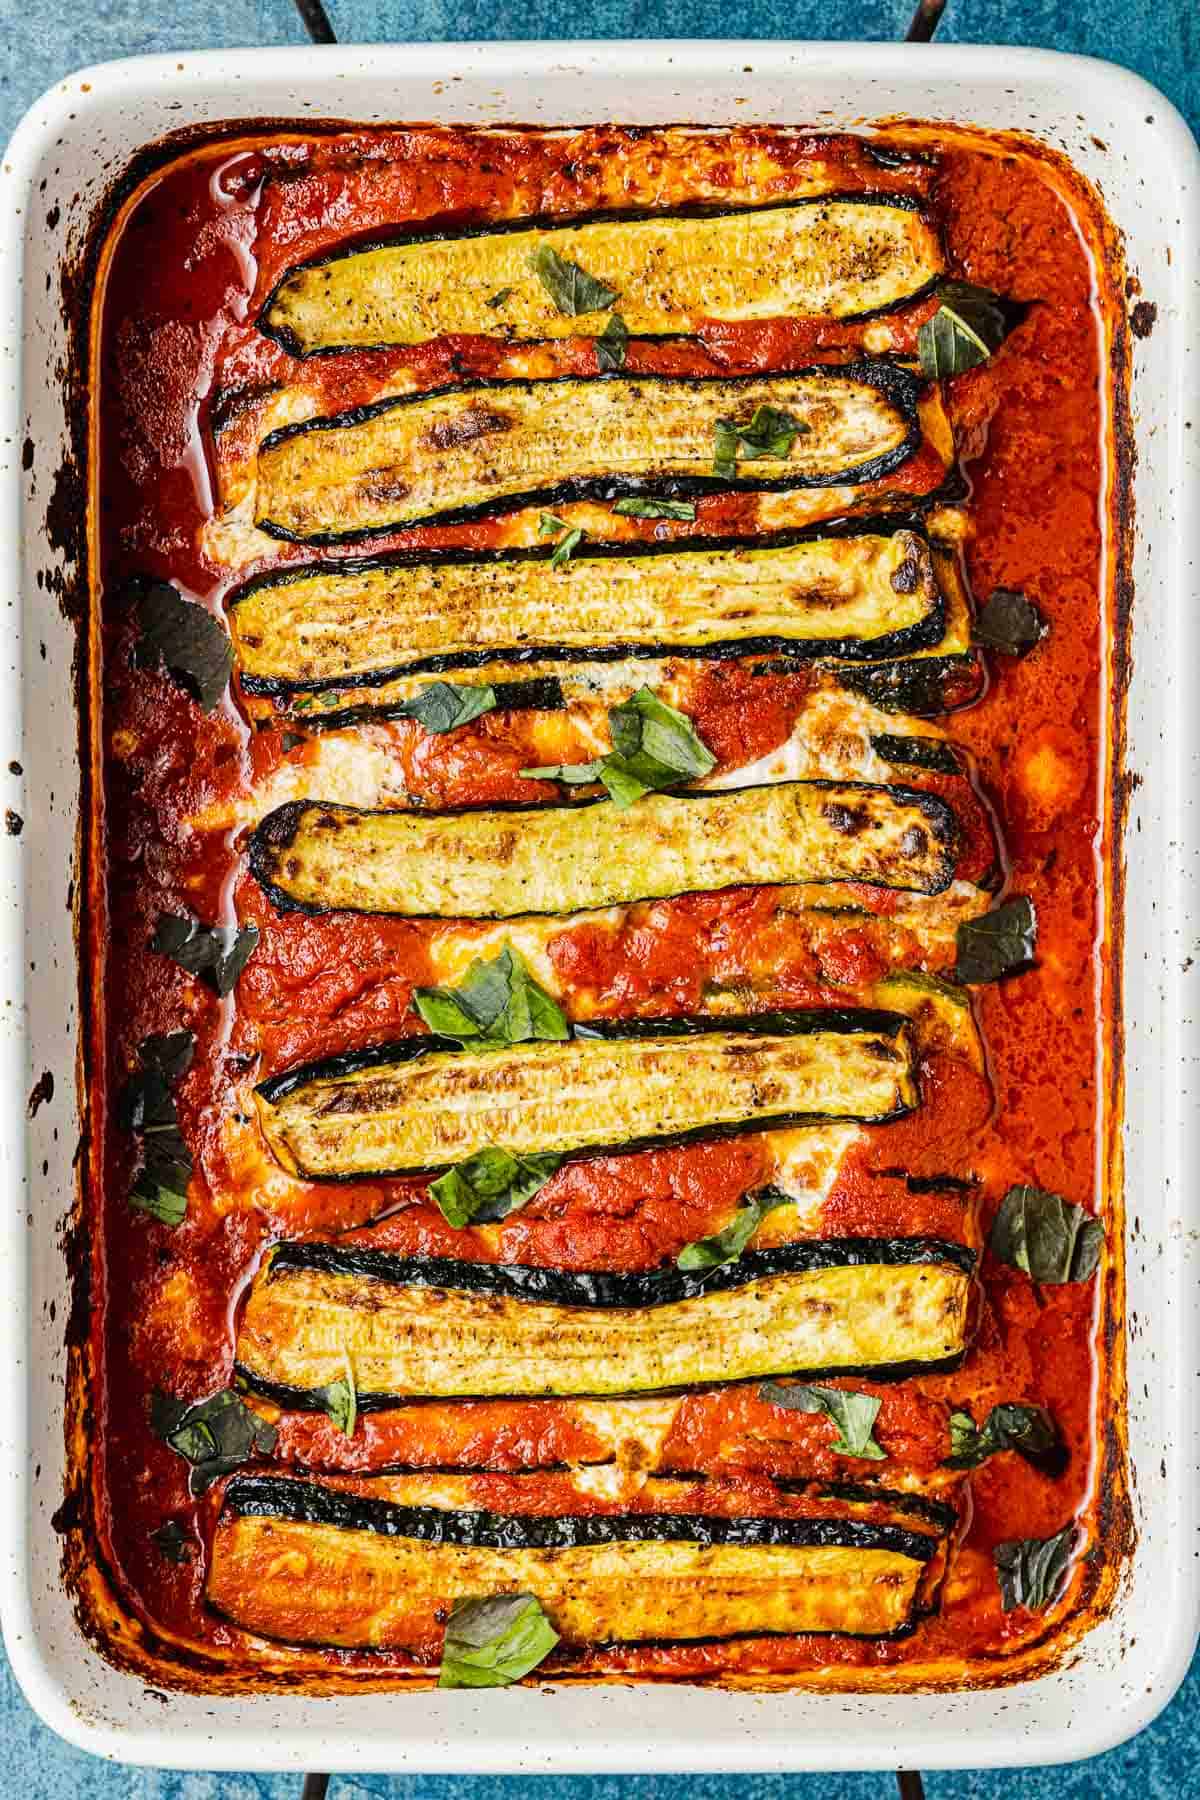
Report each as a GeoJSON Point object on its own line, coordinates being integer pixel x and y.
{"type": "Point", "coordinates": [173, 1542]}
{"type": "Point", "coordinates": [634, 508]}
{"type": "Point", "coordinates": [853, 1414]}
{"type": "Point", "coordinates": [1051, 1239]}
{"type": "Point", "coordinates": [612, 343]}
{"type": "Point", "coordinates": [916, 752]}
{"type": "Point", "coordinates": [215, 1436]}
{"type": "Point", "coordinates": [967, 327]}
{"type": "Point", "coordinates": [548, 524]}
{"type": "Point", "coordinates": [770, 432]}
{"type": "Point", "coordinates": [654, 747]}
{"type": "Point", "coordinates": [492, 1642]}
{"type": "Point", "coordinates": [146, 1108]}
{"type": "Point", "coordinates": [445, 705]}
{"type": "Point", "coordinates": [1009, 621]}
{"type": "Point", "coordinates": [1029, 1430]}
{"type": "Point", "coordinates": [998, 943]}
{"type": "Point", "coordinates": [1032, 1572]}
{"type": "Point", "coordinates": [727, 1245]}
{"type": "Point", "coordinates": [490, 1185]}
{"type": "Point", "coordinates": [186, 639]}
{"type": "Point", "coordinates": [339, 1401]}
{"type": "Point", "coordinates": [497, 1002]}
{"type": "Point", "coordinates": [217, 953]}
{"type": "Point", "coordinates": [571, 288]}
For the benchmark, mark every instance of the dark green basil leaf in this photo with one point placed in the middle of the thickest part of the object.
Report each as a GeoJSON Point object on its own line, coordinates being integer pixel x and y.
{"type": "Point", "coordinates": [493, 1642]}
{"type": "Point", "coordinates": [145, 1107]}
{"type": "Point", "coordinates": [215, 1436]}
{"type": "Point", "coordinates": [490, 1185]}
{"type": "Point", "coordinates": [498, 1002]}
{"type": "Point", "coordinates": [916, 752]}
{"type": "Point", "coordinates": [1009, 621]}
{"type": "Point", "coordinates": [727, 1245]}
{"type": "Point", "coordinates": [1029, 1430]}
{"type": "Point", "coordinates": [654, 747]}
{"type": "Point", "coordinates": [997, 943]}
{"type": "Point", "coordinates": [634, 508]}
{"type": "Point", "coordinates": [161, 1200]}
{"type": "Point", "coordinates": [339, 1400]}
{"type": "Point", "coordinates": [445, 705]}
{"type": "Point", "coordinates": [168, 1052]}
{"type": "Point", "coordinates": [770, 433]}
{"type": "Point", "coordinates": [967, 327]}
{"type": "Point", "coordinates": [570, 287]}
{"type": "Point", "coordinates": [612, 343]}
{"type": "Point", "coordinates": [194, 648]}
{"type": "Point", "coordinates": [1052, 1239]}
{"type": "Point", "coordinates": [853, 1414]}
{"type": "Point", "coordinates": [1033, 1571]}
{"type": "Point", "coordinates": [290, 740]}
{"type": "Point", "coordinates": [499, 297]}
{"type": "Point", "coordinates": [173, 1542]}
{"type": "Point", "coordinates": [217, 953]}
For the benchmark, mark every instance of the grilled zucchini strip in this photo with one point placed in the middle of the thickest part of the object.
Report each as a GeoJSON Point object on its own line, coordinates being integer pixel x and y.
{"type": "Point", "coordinates": [424, 1103]}
{"type": "Point", "coordinates": [443, 1329]}
{"type": "Point", "coordinates": [507, 861]}
{"type": "Point", "coordinates": [486, 446]}
{"type": "Point", "coordinates": [865, 596]}
{"type": "Point", "coordinates": [832, 257]}
{"type": "Point", "coordinates": [373, 1567]}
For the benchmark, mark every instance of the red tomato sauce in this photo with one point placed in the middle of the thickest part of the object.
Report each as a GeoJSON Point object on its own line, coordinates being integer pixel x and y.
{"type": "Point", "coordinates": [183, 380]}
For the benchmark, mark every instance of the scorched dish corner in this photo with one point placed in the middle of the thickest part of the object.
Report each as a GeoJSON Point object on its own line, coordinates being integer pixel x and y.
{"type": "Point", "coordinates": [605, 738]}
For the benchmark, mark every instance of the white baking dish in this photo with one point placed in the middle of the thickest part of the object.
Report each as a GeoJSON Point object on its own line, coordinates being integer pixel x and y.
{"type": "Point", "coordinates": [1127, 139]}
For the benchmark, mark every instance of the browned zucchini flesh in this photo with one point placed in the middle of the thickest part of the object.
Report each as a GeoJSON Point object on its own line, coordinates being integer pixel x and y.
{"type": "Point", "coordinates": [502, 862]}
{"type": "Point", "coordinates": [442, 1328]}
{"type": "Point", "coordinates": [425, 1102]}
{"type": "Point", "coordinates": [865, 596]}
{"type": "Point", "coordinates": [836, 257]}
{"type": "Point", "coordinates": [376, 1564]}
{"type": "Point", "coordinates": [453, 453]}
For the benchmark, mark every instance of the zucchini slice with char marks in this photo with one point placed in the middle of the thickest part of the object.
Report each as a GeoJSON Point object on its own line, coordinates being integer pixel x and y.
{"type": "Point", "coordinates": [425, 1102]}
{"type": "Point", "coordinates": [442, 1329]}
{"type": "Point", "coordinates": [833, 257]}
{"type": "Point", "coordinates": [486, 446]}
{"type": "Point", "coordinates": [853, 595]}
{"type": "Point", "coordinates": [504, 861]}
{"type": "Point", "coordinates": [375, 1564]}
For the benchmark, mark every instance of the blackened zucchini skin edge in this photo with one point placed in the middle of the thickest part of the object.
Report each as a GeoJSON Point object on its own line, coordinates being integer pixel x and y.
{"type": "Point", "coordinates": [608, 1290]}
{"type": "Point", "coordinates": [550, 222]}
{"type": "Point", "coordinates": [898, 385]}
{"type": "Point", "coordinates": [923, 635]}
{"type": "Point", "coordinates": [308, 1503]}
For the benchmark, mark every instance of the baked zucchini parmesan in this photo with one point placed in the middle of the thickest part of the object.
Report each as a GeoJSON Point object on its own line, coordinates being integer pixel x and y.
{"type": "Point", "coordinates": [499, 863]}
{"type": "Point", "coordinates": [427, 1102]}
{"type": "Point", "coordinates": [378, 1562]}
{"type": "Point", "coordinates": [486, 446]}
{"type": "Point", "coordinates": [833, 257]}
{"type": "Point", "coordinates": [599, 1087]}
{"type": "Point", "coordinates": [436, 1328]}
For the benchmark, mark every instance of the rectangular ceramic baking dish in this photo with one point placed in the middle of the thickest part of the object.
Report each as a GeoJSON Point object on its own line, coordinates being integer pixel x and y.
{"type": "Point", "coordinates": [1128, 140]}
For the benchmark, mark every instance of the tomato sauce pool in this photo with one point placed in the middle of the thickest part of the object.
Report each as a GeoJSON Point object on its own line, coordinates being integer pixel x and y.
{"type": "Point", "coordinates": [183, 377]}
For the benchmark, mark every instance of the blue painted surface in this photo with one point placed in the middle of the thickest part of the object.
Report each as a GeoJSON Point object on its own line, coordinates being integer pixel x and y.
{"type": "Point", "coordinates": [42, 42]}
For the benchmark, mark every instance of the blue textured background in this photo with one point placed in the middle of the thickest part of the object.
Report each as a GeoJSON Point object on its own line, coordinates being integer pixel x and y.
{"type": "Point", "coordinates": [47, 39]}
